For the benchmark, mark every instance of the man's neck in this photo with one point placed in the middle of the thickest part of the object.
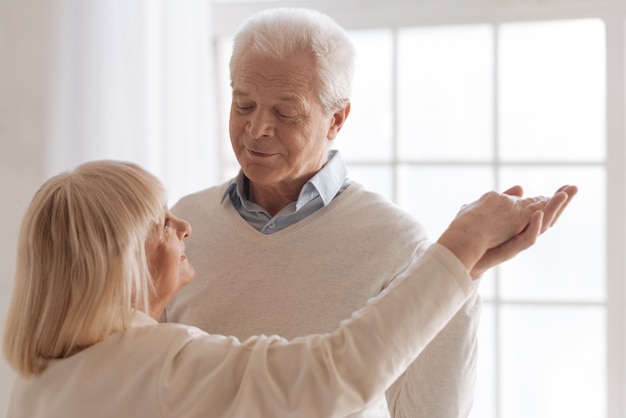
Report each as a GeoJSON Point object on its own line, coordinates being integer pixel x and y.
{"type": "Point", "coordinates": [272, 199]}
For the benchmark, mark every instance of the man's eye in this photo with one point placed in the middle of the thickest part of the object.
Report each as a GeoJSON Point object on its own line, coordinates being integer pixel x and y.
{"type": "Point", "coordinates": [286, 115]}
{"type": "Point", "coordinates": [166, 224]}
{"type": "Point", "coordinates": [244, 107]}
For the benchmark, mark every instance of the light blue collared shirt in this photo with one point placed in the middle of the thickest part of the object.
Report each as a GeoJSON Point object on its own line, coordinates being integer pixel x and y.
{"type": "Point", "coordinates": [318, 192]}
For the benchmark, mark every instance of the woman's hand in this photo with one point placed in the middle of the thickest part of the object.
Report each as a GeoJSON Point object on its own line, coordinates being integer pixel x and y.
{"type": "Point", "coordinates": [498, 226]}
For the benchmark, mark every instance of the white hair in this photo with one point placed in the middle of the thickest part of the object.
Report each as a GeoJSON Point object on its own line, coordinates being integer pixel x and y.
{"type": "Point", "coordinates": [285, 32]}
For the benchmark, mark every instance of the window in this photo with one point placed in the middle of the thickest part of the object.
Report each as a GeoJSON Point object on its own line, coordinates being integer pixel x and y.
{"type": "Point", "coordinates": [443, 112]}
{"type": "Point", "coordinates": [468, 108]}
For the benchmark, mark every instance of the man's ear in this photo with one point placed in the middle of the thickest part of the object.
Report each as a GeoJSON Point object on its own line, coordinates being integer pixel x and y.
{"type": "Point", "coordinates": [338, 119]}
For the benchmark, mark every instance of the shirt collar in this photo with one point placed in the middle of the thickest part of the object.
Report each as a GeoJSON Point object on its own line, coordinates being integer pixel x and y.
{"type": "Point", "coordinates": [326, 183]}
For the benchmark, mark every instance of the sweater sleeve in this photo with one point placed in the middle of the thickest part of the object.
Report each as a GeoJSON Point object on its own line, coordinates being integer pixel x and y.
{"type": "Point", "coordinates": [320, 375]}
{"type": "Point", "coordinates": [440, 383]}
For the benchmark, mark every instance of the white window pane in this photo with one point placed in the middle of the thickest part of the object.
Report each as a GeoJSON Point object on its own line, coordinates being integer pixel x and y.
{"type": "Point", "coordinates": [445, 93]}
{"type": "Point", "coordinates": [375, 178]}
{"type": "Point", "coordinates": [223, 50]}
{"type": "Point", "coordinates": [568, 261]}
{"type": "Point", "coordinates": [553, 362]}
{"type": "Point", "coordinates": [433, 194]}
{"type": "Point", "coordinates": [367, 133]}
{"type": "Point", "coordinates": [552, 90]}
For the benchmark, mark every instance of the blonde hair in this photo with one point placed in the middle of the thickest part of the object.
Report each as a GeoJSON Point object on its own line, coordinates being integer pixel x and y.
{"type": "Point", "coordinates": [285, 32]}
{"type": "Point", "coordinates": [81, 262]}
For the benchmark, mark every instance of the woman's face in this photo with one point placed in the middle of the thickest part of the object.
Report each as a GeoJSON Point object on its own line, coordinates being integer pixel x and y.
{"type": "Point", "coordinates": [168, 264]}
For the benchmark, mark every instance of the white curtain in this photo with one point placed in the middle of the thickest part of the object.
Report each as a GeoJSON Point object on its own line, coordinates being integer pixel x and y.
{"type": "Point", "coordinates": [91, 79]}
{"type": "Point", "coordinates": [133, 80]}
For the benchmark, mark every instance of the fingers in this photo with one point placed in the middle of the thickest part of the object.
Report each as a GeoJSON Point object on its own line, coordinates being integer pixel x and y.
{"type": "Point", "coordinates": [571, 191]}
{"type": "Point", "coordinates": [510, 248]}
{"type": "Point", "coordinates": [545, 213]}
{"type": "Point", "coordinates": [515, 191]}
{"type": "Point", "coordinates": [557, 204]}
{"type": "Point", "coordinates": [529, 236]}
{"type": "Point", "coordinates": [552, 207]}
{"type": "Point", "coordinates": [498, 226]}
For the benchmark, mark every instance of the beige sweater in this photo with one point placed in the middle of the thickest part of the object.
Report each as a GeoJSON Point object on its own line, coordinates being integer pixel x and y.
{"type": "Point", "coordinates": [308, 277]}
{"type": "Point", "coordinates": [168, 370]}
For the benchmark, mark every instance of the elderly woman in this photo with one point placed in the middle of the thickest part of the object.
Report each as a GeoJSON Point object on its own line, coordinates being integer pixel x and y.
{"type": "Point", "coordinates": [100, 256]}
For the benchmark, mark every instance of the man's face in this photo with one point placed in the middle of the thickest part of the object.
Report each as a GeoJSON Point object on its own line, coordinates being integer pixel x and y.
{"type": "Point", "coordinates": [278, 129]}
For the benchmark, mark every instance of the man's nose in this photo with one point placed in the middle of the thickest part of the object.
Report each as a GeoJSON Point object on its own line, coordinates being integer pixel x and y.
{"type": "Point", "coordinates": [260, 124]}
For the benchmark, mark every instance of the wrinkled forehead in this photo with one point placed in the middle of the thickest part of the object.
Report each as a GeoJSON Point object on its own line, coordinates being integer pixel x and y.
{"type": "Point", "coordinates": [287, 79]}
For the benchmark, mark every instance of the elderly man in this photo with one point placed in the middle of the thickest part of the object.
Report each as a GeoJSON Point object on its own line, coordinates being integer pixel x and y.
{"type": "Point", "coordinates": [291, 246]}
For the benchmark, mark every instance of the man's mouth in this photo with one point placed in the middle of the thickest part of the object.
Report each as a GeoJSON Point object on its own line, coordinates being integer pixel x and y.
{"type": "Point", "coordinates": [258, 153]}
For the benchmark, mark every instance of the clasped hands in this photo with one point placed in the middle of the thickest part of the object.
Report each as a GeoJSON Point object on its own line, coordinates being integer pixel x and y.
{"type": "Point", "coordinates": [498, 226]}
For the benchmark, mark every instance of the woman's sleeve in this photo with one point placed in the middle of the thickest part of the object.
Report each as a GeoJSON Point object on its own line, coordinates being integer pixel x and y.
{"type": "Point", "coordinates": [319, 375]}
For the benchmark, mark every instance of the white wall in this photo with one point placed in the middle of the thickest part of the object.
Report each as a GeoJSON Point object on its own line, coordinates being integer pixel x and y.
{"type": "Point", "coordinates": [22, 67]}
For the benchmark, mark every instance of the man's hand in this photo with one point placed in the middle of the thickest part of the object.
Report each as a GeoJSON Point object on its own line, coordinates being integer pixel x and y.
{"type": "Point", "coordinates": [498, 226]}
{"type": "Point", "coordinates": [540, 222]}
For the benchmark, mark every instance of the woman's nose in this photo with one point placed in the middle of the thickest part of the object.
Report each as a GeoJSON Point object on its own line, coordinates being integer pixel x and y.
{"type": "Point", "coordinates": [183, 228]}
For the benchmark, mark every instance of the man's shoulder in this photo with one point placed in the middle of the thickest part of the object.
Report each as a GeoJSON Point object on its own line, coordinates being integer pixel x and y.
{"type": "Point", "coordinates": [200, 200]}
{"type": "Point", "coordinates": [378, 213]}
{"type": "Point", "coordinates": [370, 201]}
